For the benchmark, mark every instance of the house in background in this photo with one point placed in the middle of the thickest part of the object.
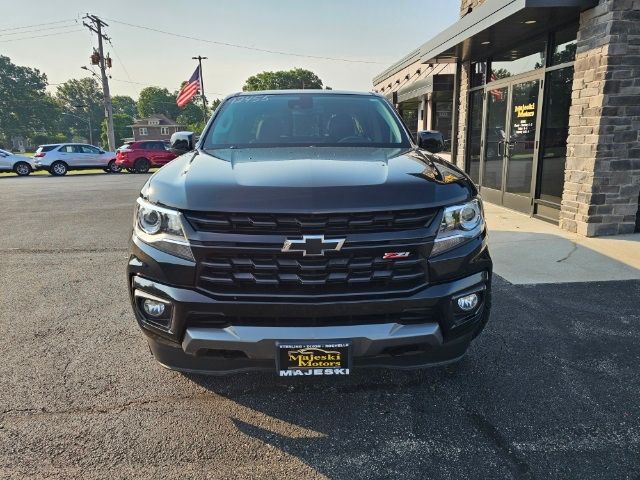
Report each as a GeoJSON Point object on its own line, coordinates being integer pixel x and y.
{"type": "Point", "coordinates": [155, 127]}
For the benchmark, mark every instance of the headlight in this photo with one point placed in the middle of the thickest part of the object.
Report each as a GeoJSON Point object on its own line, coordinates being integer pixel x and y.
{"type": "Point", "coordinates": [459, 224]}
{"type": "Point", "coordinates": [161, 228]}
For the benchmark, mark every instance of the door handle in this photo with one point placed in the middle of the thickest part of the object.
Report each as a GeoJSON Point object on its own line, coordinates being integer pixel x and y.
{"type": "Point", "coordinates": [501, 148]}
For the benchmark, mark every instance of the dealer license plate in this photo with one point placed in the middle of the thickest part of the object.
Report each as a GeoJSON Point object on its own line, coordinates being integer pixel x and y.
{"type": "Point", "coordinates": [313, 358]}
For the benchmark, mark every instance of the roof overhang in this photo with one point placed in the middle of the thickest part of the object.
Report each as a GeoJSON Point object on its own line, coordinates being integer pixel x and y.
{"type": "Point", "coordinates": [424, 86]}
{"type": "Point", "coordinates": [501, 23]}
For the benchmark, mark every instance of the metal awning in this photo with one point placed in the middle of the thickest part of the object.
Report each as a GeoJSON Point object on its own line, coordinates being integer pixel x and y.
{"type": "Point", "coordinates": [493, 25]}
{"type": "Point", "coordinates": [423, 86]}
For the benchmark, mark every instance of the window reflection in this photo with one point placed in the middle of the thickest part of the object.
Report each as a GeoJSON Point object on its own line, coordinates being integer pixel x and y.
{"type": "Point", "coordinates": [495, 135]}
{"type": "Point", "coordinates": [528, 56]}
{"type": "Point", "coordinates": [556, 129]}
{"type": "Point", "coordinates": [565, 44]}
{"type": "Point", "coordinates": [478, 74]}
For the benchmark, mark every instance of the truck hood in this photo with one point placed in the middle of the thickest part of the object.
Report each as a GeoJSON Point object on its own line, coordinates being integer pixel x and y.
{"type": "Point", "coordinates": [307, 179]}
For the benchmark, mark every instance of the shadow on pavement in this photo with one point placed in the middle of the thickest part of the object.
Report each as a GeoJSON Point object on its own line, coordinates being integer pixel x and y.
{"type": "Point", "coordinates": [551, 381]}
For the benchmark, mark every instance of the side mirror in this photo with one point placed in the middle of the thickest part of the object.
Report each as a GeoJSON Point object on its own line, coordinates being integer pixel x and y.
{"type": "Point", "coordinates": [102, 151]}
{"type": "Point", "coordinates": [431, 141]}
{"type": "Point", "coordinates": [181, 142]}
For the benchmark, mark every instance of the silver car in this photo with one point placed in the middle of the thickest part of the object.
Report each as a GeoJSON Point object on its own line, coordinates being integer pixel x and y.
{"type": "Point", "coordinates": [20, 164]}
{"type": "Point", "coordinates": [59, 158]}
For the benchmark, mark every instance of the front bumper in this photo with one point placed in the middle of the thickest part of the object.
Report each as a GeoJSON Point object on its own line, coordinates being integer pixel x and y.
{"type": "Point", "coordinates": [439, 340]}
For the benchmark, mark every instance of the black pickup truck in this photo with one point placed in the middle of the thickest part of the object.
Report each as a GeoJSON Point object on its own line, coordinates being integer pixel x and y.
{"type": "Point", "coordinates": [306, 233]}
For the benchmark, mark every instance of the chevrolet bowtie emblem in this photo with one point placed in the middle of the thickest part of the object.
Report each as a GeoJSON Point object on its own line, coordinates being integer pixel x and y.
{"type": "Point", "coordinates": [312, 245]}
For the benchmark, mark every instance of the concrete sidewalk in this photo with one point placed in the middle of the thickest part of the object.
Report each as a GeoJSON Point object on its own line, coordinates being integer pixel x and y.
{"type": "Point", "coordinates": [529, 251]}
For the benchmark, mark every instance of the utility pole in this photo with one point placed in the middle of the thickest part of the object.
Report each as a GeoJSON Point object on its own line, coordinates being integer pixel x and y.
{"type": "Point", "coordinates": [204, 99]}
{"type": "Point", "coordinates": [95, 26]}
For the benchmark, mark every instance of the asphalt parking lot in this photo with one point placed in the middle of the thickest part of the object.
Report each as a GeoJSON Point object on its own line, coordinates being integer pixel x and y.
{"type": "Point", "coordinates": [550, 390]}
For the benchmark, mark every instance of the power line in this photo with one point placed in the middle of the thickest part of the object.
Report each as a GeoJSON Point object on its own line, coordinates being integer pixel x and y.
{"type": "Point", "coordinates": [149, 85]}
{"type": "Point", "coordinates": [36, 30]}
{"type": "Point", "coordinates": [120, 60]}
{"type": "Point", "coordinates": [245, 47]}
{"type": "Point", "coordinates": [41, 36]}
{"type": "Point", "coordinates": [36, 25]}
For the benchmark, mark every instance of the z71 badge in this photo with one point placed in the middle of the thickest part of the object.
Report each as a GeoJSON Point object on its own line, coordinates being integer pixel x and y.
{"type": "Point", "coordinates": [297, 359]}
{"type": "Point", "coordinates": [392, 255]}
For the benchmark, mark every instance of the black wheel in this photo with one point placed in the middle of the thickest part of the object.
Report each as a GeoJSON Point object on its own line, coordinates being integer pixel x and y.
{"type": "Point", "coordinates": [22, 169]}
{"type": "Point", "coordinates": [112, 167]}
{"type": "Point", "coordinates": [141, 165]}
{"type": "Point", "coordinates": [131, 170]}
{"type": "Point", "coordinates": [58, 169]}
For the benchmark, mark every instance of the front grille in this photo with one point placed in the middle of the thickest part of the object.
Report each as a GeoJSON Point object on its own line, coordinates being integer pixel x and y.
{"type": "Point", "coordinates": [338, 272]}
{"type": "Point", "coordinates": [300, 224]}
{"type": "Point", "coordinates": [407, 317]}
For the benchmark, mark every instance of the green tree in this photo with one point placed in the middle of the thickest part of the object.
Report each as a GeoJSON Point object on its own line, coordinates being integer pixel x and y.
{"type": "Point", "coordinates": [297, 78]}
{"type": "Point", "coordinates": [125, 105]}
{"type": "Point", "coordinates": [192, 112]}
{"type": "Point", "coordinates": [81, 102]}
{"type": "Point", "coordinates": [192, 116]}
{"type": "Point", "coordinates": [121, 128]}
{"type": "Point", "coordinates": [157, 100]}
{"type": "Point", "coordinates": [25, 106]}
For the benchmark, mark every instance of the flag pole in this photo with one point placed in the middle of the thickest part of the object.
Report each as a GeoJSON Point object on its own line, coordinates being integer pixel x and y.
{"type": "Point", "coordinates": [204, 99]}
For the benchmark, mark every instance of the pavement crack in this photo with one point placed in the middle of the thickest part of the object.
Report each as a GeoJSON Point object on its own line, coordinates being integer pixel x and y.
{"type": "Point", "coordinates": [519, 467]}
{"type": "Point", "coordinates": [119, 408]}
{"type": "Point", "coordinates": [568, 255]}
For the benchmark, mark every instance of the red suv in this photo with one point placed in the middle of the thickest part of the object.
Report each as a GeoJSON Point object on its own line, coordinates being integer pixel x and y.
{"type": "Point", "coordinates": [139, 157]}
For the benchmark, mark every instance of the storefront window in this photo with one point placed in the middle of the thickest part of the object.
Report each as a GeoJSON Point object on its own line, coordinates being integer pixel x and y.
{"type": "Point", "coordinates": [564, 45]}
{"type": "Point", "coordinates": [409, 112]}
{"type": "Point", "coordinates": [527, 56]}
{"type": "Point", "coordinates": [475, 135]}
{"type": "Point", "coordinates": [478, 74]}
{"type": "Point", "coordinates": [442, 104]}
{"type": "Point", "coordinates": [554, 135]}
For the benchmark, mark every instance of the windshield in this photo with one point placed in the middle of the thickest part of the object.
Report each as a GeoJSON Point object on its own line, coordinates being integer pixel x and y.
{"type": "Point", "coordinates": [307, 119]}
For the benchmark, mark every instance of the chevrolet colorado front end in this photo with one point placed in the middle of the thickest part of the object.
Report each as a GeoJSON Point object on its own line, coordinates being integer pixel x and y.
{"type": "Point", "coordinates": [305, 233]}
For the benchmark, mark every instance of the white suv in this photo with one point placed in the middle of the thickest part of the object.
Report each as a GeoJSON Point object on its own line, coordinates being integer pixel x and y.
{"type": "Point", "coordinates": [10, 162]}
{"type": "Point", "coordinates": [59, 158]}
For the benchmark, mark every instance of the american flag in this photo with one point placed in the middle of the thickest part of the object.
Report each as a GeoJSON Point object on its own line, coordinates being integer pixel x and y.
{"type": "Point", "coordinates": [190, 89]}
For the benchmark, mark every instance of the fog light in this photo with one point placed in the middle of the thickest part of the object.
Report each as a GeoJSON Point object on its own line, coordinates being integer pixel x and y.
{"type": "Point", "coordinates": [153, 308]}
{"type": "Point", "coordinates": [468, 302]}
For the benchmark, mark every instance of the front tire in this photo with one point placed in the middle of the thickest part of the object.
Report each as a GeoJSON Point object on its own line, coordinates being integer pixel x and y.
{"type": "Point", "coordinates": [141, 165]}
{"type": "Point", "coordinates": [112, 167]}
{"type": "Point", "coordinates": [58, 169]}
{"type": "Point", "coordinates": [22, 169]}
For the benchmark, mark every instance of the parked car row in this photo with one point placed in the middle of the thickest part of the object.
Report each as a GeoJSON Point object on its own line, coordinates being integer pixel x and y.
{"type": "Point", "coordinates": [59, 158]}
{"type": "Point", "coordinates": [20, 164]}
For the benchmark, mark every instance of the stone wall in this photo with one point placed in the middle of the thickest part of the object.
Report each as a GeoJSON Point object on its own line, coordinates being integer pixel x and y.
{"type": "Point", "coordinates": [602, 177]}
{"type": "Point", "coordinates": [463, 110]}
{"type": "Point", "coordinates": [463, 98]}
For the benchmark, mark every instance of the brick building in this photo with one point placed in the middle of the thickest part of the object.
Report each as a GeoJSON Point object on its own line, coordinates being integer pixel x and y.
{"type": "Point", "coordinates": [545, 106]}
{"type": "Point", "coordinates": [155, 127]}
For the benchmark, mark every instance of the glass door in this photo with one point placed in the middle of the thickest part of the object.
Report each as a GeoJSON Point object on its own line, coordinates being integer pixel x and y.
{"type": "Point", "coordinates": [511, 136]}
{"type": "Point", "coordinates": [495, 138]}
{"type": "Point", "coordinates": [521, 147]}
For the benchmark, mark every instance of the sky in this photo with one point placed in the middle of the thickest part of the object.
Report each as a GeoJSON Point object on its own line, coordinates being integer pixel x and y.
{"type": "Point", "coordinates": [374, 31]}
